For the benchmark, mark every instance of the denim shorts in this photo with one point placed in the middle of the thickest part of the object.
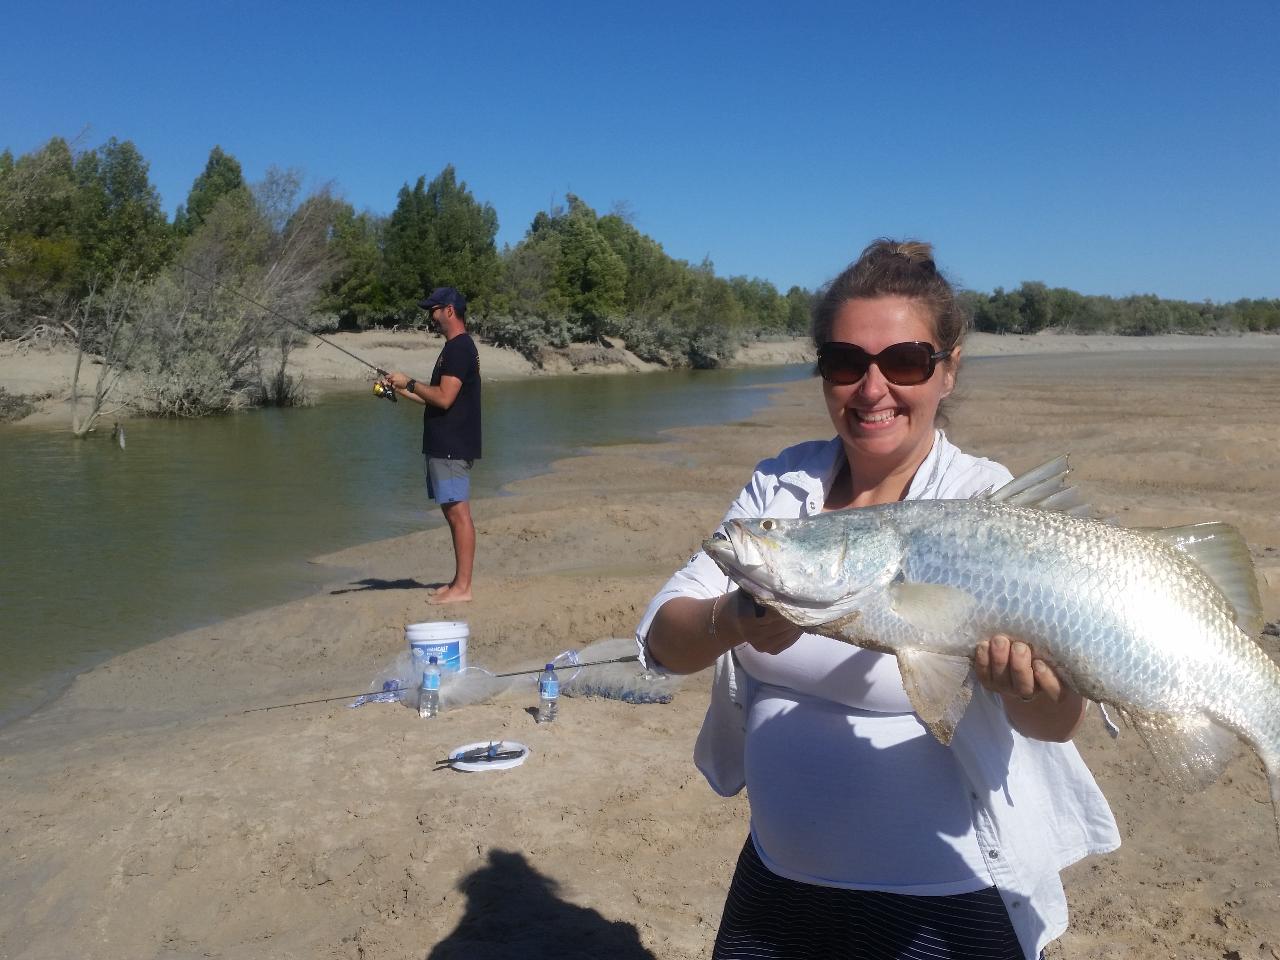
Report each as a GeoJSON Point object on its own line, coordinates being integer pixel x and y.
{"type": "Point", "coordinates": [448, 481]}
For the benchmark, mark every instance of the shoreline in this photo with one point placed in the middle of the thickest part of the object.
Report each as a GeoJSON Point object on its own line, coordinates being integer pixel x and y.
{"type": "Point", "coordinates": [989, 347]}
{"type": "Point", "coordinates": [494, 482]}
{"type": "Point", "coordinates": [147, 796]}
{"type": "Point", "coordinates": [44, 373]}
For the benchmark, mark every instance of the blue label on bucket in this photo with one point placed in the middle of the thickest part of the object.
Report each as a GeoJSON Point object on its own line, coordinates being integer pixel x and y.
{"type": "Point", "coordinates": [448, 653]}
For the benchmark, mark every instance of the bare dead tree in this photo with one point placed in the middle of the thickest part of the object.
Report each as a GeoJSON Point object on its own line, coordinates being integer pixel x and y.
{"type": "Point", "coordinates": [211, 349]}
{"type": "Point", "coordinates": [303, 261]}
{"type": "Point", "coordinates": [108, 320]}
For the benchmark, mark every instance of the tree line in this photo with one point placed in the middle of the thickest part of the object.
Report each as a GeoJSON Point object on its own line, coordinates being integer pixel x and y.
{"type": "Point", "coordinates": [1033, 307]}
{"type": "Point", "coordinates": [86, 251]}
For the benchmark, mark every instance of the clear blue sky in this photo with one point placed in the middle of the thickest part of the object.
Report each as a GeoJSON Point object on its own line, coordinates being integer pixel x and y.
{"type": "Point", "coordinates": [1109, 147]}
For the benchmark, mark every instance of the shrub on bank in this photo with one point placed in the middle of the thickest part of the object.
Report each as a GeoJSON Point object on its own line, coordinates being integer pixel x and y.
{"type": "Point", "coordinates": [15, 406]}
{"type": "Point", "coordinates": [526, 335]}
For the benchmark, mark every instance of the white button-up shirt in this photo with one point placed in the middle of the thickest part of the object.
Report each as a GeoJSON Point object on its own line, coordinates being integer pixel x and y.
{"type": "Point", "coordinates": [1036, 807]}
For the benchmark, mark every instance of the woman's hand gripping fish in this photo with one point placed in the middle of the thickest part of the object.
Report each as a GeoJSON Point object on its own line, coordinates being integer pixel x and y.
{"type": "Point", "coordinates": [1158, 623]}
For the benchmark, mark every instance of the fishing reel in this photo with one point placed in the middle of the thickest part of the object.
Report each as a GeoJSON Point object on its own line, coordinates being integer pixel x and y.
{"type": "Point", "coordinates": [384, 390]}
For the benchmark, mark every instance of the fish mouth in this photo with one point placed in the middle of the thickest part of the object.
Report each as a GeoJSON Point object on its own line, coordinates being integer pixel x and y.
{"type": "Point", "coordinates": [754, 587]}
{"type": "Point", "coordinates": [734, 555]}
{"type": "Point", "coordinates": [734, 551]}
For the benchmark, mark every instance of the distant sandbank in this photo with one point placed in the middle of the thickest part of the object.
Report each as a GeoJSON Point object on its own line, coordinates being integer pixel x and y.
{"type": "Point", "coordinates": [44, 374]}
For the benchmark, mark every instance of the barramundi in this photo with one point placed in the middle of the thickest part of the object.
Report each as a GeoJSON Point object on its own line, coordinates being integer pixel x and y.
{"type": "Point", "coordinates": [1157, 623]}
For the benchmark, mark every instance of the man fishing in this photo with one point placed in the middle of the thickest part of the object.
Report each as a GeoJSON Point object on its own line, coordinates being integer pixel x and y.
{"type": "Point", "coordinates": [450, 430]}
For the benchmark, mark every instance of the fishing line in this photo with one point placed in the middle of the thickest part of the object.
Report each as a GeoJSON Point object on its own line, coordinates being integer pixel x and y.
{"type": "Point", "coordinates": [277, 314]}
{"type": "Point", "coordinates": [631, 658]}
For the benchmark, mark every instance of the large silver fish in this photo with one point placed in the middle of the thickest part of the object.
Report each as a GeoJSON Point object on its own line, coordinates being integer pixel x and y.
{"type": "Point", "coordinates": [1158, 623]}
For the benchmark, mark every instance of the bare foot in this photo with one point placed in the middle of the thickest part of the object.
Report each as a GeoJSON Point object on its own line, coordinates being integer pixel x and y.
{"type": "Point", "coordinates": [449, 595]}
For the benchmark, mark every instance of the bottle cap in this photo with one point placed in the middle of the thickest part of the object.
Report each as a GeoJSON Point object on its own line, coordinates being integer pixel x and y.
{"type": "Point", "coordinates": [432, 660]}
{"type": "Point", "coordinates": [550, 666]}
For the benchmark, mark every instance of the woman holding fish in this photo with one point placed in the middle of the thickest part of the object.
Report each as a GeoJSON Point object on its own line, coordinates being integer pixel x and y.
{"type": "Point", "coordinates": [870, 838]}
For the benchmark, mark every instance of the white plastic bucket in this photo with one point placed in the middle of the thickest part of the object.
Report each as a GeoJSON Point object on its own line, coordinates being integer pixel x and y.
{"type": "Point", "coordinates": [446, 640]}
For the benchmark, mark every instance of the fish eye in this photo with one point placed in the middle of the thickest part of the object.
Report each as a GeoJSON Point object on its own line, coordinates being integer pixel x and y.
{"type": "Point", "coordinates": [767, 524]}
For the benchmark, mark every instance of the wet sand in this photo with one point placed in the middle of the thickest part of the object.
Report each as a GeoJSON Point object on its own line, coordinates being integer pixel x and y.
{"type": "Point", "coordinates": [147, 815]}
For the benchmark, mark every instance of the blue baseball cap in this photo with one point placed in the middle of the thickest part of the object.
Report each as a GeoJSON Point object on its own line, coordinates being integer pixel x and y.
{"type": "Point", "coordinates": [445, 297]}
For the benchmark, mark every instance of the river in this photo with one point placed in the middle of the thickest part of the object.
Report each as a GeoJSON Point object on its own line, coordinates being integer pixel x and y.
{"type": "Point", "coordinates": [103, 549]}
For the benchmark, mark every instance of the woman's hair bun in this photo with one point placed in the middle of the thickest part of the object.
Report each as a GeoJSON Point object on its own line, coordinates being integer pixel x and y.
{"type": "Point", "coordinates": [903, 268]}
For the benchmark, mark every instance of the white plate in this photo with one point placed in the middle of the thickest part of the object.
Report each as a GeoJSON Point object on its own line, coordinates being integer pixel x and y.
{"type": "Point", "coordinates": [475, 767]}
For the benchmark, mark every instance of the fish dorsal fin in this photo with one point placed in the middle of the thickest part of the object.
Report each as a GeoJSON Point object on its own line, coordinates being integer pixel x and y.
{"type": "Point", "coordinates": [1044, 488]}
{"type": "Point", "coordinates": [1219, 550]}
{"type": "Point", "coordinates": [939, 688]}
{"type": "Point", "coordinates": [1054, 470]}
{"type": "Point", "coordinates": [1190, 750]}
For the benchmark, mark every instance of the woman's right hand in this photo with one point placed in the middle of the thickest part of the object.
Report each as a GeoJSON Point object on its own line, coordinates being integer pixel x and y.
{"type": "Point", "coordinates": [689, 633]}
{"type": "Point", "coordinates": [744, 620]}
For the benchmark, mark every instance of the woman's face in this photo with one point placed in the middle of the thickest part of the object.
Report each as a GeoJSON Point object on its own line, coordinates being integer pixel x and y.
{"type": "Point", "coordinates": [880, 422]}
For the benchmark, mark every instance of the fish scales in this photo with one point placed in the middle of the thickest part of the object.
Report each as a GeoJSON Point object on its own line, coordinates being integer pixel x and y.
{"type": "Point", "coordinates": [1128, 621]}
{"type": "Point", "coordinates": [1128, 617]}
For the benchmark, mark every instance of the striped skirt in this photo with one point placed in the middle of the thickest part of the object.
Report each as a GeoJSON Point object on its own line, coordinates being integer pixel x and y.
{"type": "Point", "coordinates": [768, 917]}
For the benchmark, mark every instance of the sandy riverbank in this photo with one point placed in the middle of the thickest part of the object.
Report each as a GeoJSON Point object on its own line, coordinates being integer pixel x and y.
{"type": "Point", "coordinates": [145, 815]}
{"type": "Point", "coordinates": [44, 374]}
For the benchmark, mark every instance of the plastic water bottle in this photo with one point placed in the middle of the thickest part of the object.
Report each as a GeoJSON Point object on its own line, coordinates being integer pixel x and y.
{"type": "Point", "coordinates": [429, 692]}
{"type": "Point", "coordinates": [548, 694]}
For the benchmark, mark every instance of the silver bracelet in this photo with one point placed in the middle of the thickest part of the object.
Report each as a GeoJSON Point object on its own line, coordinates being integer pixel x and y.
{"type": "Point", "coordinates": [712, 631]}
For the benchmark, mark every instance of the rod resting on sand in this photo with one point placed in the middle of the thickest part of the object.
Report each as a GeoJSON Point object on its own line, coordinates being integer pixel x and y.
{"type": "Point", "coordinates": [630, 658]}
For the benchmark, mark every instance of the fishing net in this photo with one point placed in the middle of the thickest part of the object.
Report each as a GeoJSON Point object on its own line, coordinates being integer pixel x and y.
{"type": "Point", "coordinates": [397, 682]}
{"type": "Point", "coordinates": [629, 682]}
{"type": "Point", "coordinates": [581, 675]}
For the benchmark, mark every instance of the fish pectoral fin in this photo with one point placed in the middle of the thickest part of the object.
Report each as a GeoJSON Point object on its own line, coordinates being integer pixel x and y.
{"type": "Point", "coordinates": [1220, 551]}
{"type": "Point", "coordinates": [1191, 751]}
{"type": "Point", "coordinates": [931, 607]}
{"type": "Point", "coordinates": [938, 685]}
{"type": "Point", "coordinates": [939, 688]}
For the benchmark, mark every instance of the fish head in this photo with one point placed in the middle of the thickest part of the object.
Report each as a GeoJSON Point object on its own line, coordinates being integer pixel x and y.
{"type": "Point", "coordinates": [810, 569]}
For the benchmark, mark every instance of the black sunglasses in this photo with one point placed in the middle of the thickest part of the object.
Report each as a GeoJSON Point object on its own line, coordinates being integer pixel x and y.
{"type": "Point", "coordinates": [904, 364]}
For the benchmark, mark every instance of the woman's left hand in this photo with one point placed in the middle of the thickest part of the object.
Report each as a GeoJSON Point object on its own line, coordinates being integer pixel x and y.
{"type": "Point", "coordinates": [1006, 666]}
{"type": "Point", "coordinates": [1038, 703]}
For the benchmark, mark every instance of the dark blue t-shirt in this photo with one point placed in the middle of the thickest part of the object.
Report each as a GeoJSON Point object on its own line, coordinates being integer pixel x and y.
{"type": "Point", "coordinates": [455, 433]}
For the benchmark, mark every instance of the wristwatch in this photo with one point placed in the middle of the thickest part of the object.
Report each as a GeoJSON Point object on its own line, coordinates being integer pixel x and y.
{"type": "Point", "coordinates": [411, 385]}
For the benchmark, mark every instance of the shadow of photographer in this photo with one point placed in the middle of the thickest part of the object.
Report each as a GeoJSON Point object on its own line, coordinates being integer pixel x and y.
{"type": "Point", "coordinates": [513, 912]}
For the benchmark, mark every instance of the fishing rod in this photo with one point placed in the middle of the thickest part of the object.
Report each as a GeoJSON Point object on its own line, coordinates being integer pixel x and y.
{"type": "Point", "coordinates": [384, 392]}
{"type": "Point", "coordinates": [630, 658]}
